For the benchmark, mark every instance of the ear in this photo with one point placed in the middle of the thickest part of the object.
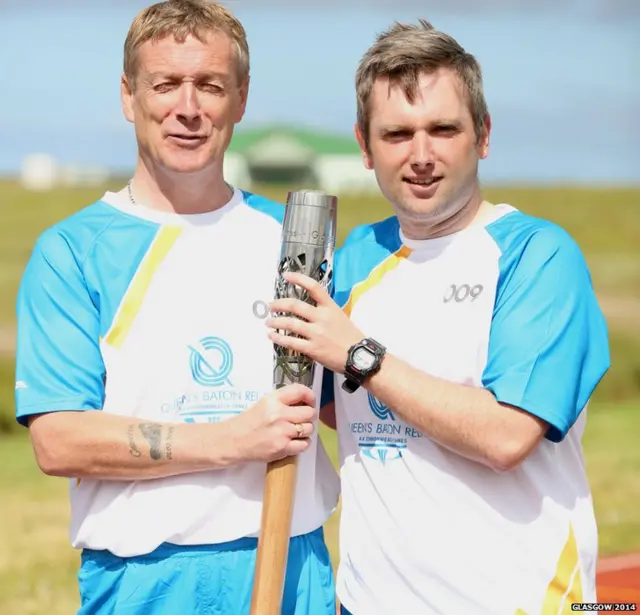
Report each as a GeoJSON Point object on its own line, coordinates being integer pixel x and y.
{"type": "Point", "coordinates": [483, 143]}
{"type": "Point", "coordinates": [126, 97]}
{"type": "Point", "coordinates": [366, 155]}
{"type": "Point", "coordinates": [244, 95]}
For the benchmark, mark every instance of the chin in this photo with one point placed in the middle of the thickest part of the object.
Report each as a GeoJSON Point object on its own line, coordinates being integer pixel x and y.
{"type": "Point", "coordinates": [187, 164]}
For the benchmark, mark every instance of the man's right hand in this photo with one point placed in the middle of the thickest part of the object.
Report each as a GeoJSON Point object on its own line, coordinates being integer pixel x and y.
{"type": "Point", "coordinates": [267, 430]}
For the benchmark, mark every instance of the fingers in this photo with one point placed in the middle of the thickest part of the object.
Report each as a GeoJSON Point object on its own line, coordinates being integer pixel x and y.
{"type": "Point", "coordinates": [296, 447]}
{"type": "Point", "coordinates": [315, 289]}
{"type": "Point", "coordinates": [296, 394]}
{"type": "Point", "coordinates": [297, 344]}
{"type": "Point", "coordinates": [291, 325]}
{"type": "Point", "coordinates": [300, 431]}
{"type": "Point", "coordinates": [297, 439]}
{"type": "Point", "coordinates": [297, 415]}
{"type": "Point", "coordinates": [293, 306]}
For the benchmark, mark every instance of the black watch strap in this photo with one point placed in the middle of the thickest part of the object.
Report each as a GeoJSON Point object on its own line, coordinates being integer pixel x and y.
{"type": "Point", "coordinates": [354, 377]}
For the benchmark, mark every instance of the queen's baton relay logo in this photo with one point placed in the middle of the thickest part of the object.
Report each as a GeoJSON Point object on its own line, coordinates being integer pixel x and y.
{"type": "Point", "coordinates": [379, 409]}
{"type": "Point", "coordinates": [215, 397]}
{"type": "Point", "coordinates": [212, 363]}
{"type": "Point", "coordinates": [384, 438]}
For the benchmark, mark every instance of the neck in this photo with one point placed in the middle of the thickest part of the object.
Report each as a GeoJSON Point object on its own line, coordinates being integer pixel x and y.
{"type": "Point", "coordinates": [181, 193]}
{"type": "Point", "coordinates": [447, 222]}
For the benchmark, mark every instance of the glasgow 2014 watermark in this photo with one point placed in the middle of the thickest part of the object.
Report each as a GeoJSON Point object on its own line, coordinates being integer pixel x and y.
{"type": "Point", "coordinates": [603, 606]}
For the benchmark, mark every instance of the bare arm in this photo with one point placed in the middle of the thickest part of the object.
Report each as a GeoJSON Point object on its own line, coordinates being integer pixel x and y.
{"type": "Point", "coordinates": [467, 420]}
{"type": "Point", "coordinates": [96, 444]}
{"type": "Point", "coordinates": [548, 351]}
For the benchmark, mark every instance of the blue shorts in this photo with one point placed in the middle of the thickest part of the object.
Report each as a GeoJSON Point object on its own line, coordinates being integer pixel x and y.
{"type": "Point", "coordinates": [203, 580]}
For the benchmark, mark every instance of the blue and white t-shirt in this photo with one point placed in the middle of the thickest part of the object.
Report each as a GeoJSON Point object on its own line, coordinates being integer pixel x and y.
{"type": "Point", "coordinates": [152, 315]}
{"type": "Point", "coordinates": [506, 304]}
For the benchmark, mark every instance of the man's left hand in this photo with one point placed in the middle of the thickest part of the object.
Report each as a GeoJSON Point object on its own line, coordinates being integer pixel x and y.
{"type": "Point", "coordinates": [325, 332]}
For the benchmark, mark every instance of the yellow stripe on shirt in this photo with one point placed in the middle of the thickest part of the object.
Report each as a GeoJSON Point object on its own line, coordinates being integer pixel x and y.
{"type": "Point", "coordinates": [375, 277]}
{"type": "Point", "coordinates": [566, 586]}
{"type": "Point", "coordinates": [134, 297]}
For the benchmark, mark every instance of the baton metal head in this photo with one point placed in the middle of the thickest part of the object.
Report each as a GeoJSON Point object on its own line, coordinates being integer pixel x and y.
{"type": "Point", "coordinates": [308, 246]}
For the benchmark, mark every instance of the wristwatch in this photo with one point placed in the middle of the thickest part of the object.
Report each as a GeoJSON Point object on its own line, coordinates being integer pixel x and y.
{"type": "Point", "coordinates": [363, 360]}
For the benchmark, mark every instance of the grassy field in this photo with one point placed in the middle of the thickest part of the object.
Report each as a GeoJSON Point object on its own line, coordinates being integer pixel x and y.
{"type": "Point", "coordinates": [37, 566]}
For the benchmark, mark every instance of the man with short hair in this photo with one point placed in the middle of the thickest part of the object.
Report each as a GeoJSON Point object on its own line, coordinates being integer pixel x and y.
{"type": "Point", "coordinates": [466, 341]}
{"type": "Point", "coordinates": [145, 375]}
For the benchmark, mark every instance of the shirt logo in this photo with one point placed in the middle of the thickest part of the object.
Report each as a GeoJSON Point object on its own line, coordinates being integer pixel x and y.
{"type": "Point", "coordinates": [383, 439]}
{"type": "Point", "coordinates": [211, 364]}
{"type": "Point", "coordinates": [379, 409]}
{"type": "Point", "coordinates": [217, 398]}
{"type": "Point", "coordinates": [260, 309]}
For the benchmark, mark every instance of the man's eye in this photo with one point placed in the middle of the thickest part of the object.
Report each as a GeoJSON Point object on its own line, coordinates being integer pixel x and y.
{"type": "Point", "coordinates": [212, 88]}
{"type": "Point", "coordinates": [394, 135]}
{"type": "Point", "coordinates": [446, 129]}
{"type": "Point", "coordinates": [165, 86]}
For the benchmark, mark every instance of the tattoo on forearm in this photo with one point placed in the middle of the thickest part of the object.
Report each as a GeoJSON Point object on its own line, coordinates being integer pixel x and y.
{"type": "Point", "coordinates": [133, 447]}
{"type": "Point", "coordinates": [169, 452]}
{"type": "Point", "coordinates": [152, 433]}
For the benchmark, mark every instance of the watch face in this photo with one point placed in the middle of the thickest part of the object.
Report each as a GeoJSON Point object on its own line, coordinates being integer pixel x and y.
{"type": "Point", "coordinates": [363, 359]}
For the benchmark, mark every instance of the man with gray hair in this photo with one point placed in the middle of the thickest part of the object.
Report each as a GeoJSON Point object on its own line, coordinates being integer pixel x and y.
{"type": "Point", "coordinates": [465, 340]}
{"type": "Point", "coordinates": [145, 377]}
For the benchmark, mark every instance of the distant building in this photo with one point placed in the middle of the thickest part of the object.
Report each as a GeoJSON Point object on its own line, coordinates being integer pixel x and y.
{"type": "Point", "coordinates": [290, 156]}
{"type": "Point", "coordinates": [38, 172]}
{"type": "Point", "coordinates": [268, 155]}
{"type": "Point", "coordinates": [43, 172]}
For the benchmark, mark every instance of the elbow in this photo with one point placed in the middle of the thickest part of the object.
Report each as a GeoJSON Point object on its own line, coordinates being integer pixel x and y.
{"type": "Point", "coordinates": [507, 455]}
{"type": "Point", "coordinates": [513, 444]}
{"type": "Point", "coordinates": [51, 460]}
{"type": "Point", "coordinates": [50, 452]}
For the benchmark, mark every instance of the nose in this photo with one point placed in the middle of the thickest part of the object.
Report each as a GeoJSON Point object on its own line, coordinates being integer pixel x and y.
{"type": "Point", "coordinates": [188, 106]}
{"type": "Point", "coordinates": [422, 155]}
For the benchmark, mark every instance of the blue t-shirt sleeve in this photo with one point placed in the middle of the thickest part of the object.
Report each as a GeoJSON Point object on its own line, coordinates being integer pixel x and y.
{"type": "Point", "coordinates": [548, 346]}
{"type": "Point", "coordinates": [59, 365]}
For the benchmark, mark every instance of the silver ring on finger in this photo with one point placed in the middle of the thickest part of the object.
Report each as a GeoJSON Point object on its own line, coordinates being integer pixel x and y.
{"type": "Point", "coordinates": [300, 430]}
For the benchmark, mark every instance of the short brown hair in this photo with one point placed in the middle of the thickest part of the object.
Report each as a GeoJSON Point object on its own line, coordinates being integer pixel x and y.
{"type": "Point", "coordinates": [402, 53]}
{"type": "Point", "coordinates": [181, 18]}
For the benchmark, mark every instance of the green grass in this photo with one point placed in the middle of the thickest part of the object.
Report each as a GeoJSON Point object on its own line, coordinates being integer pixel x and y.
{"type": "Point", "coordinates": [38, 567]}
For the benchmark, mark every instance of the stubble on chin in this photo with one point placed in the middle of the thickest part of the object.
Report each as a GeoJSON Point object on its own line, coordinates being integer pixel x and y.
{"type": "Point", "coordinates": [432, 222]}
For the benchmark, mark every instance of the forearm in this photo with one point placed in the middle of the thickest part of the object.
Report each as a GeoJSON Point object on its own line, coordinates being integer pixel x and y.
{"type": "Point", "coordinates": [95, 444]}
{"type": "Point", "coordinates": [464, 419]}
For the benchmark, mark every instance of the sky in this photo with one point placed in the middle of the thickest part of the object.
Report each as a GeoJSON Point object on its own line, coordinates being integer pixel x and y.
{"type": "Point", "coordinates": [562, 77]}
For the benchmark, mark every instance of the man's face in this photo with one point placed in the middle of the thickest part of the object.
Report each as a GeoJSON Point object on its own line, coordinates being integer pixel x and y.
{"type": "Point", "coordinates": [425, 155]}
{"type": "Point", "coordinates": [186, 100]}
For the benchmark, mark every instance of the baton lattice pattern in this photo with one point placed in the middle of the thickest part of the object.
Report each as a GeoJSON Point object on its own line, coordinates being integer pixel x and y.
{"type": "Point", "coordinates": [292, 366]}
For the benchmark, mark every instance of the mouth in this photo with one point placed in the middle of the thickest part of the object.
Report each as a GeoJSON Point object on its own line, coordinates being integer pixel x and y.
{"type": "Point", "coordinates": [415, 181]}
{"type": "Point", "coordinates": [187, 139]}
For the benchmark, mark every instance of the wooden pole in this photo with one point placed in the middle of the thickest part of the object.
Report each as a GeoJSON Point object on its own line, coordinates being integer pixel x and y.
{"type": "Point", "coordinates": [273, 541]}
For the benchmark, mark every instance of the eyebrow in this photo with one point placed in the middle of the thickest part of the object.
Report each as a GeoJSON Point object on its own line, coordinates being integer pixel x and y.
{"type": "Point", "coordinates": [406, 128]}
{"type": "Point", "coordinates": [206, 76]}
